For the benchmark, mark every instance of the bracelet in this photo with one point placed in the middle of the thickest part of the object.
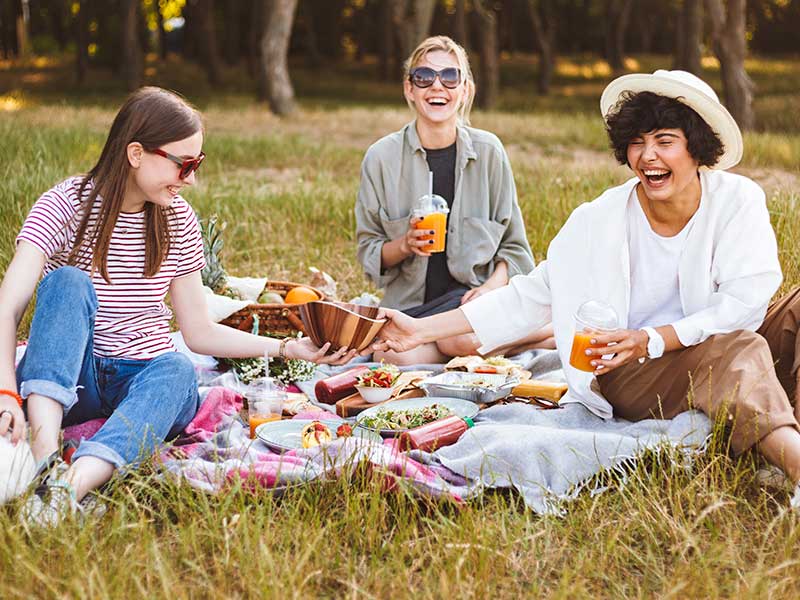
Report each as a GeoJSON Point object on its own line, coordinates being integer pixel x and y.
{"type": "Point", "coordinates": [13, 394]}
{"type": "Point", "coordinates": [282, 348]}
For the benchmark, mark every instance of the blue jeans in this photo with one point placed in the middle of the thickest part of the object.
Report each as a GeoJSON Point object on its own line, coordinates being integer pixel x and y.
{"type": "Point", "coordinates": [145, 401]}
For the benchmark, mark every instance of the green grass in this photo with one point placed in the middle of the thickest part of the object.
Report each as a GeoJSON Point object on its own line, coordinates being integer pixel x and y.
{"type": "Point", "coordinates": [286, 189]}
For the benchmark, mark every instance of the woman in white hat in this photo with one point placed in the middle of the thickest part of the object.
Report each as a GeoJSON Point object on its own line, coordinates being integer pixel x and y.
{"type": "Point", "coordinates": [685, 254]}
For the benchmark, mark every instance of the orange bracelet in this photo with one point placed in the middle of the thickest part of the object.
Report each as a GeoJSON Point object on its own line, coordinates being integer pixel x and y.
{"type": "Point", "coordinates": [13, 394]}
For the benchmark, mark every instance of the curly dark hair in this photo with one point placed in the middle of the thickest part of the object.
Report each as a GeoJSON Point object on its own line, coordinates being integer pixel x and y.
{"type": "Point", "coordinates": [637, 113]}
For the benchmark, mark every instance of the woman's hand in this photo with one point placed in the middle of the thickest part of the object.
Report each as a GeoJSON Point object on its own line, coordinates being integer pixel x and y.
{"type": "Point", "coordinates": [625, 344]}
{"type": "Point", "coordinates": [399, 334]}
{"type": "Point", "coordinates": [476, 293]}
{"type": "Point", "coordinates": [412, 243]}
{"type": "Point", "coordinates": [304, 349]}
{"type": "Point", "coordinates": [11, 419]}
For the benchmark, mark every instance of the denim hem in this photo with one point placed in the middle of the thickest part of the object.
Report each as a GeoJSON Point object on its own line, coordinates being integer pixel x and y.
{"type": "Point", "coordinates": [101, 451]}
{"type": "Point", "coordinates": [66, 397]}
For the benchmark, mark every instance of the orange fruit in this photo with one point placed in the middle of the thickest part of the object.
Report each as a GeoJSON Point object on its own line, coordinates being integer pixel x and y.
{"type": "Point", "coordinates": [300, 295]}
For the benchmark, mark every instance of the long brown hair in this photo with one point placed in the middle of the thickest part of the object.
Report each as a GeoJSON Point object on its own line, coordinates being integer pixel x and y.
{"type": "Point", "coordinates": [153, 117]}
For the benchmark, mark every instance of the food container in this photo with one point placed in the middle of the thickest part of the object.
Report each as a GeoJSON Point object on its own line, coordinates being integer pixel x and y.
{"type": "Point", "coordinates": [481, 388]}
{"type": "Point", "coordinates": [374, 395]}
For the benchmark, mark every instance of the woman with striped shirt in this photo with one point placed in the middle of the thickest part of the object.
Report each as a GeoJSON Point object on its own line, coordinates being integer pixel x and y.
{"type": "Point", "coordinates": [110, 246]}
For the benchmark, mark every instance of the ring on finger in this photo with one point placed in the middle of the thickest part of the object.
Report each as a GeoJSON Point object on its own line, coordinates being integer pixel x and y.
{"type": "Point", "coordinates": [3, 413]}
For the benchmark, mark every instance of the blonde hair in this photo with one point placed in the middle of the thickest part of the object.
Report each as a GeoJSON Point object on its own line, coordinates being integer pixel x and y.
{"type": "Point", "coordinates": [445, 44]}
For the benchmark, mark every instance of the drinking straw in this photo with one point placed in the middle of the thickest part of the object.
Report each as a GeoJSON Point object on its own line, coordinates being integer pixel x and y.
{"type": "Point", "coordinates": [430, 186]}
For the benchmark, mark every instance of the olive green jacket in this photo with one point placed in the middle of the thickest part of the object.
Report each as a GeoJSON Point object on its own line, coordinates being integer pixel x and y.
{"type": "Point", "coordinates": [484, 226]}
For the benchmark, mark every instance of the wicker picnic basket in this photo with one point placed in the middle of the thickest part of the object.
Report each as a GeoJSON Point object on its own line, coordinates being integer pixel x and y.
{"type": "Point", "coordinates": [277, 319]}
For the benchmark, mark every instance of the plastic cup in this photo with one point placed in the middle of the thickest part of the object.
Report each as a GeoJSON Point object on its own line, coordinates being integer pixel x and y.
{"type": "Point", "coordinates": [433, 211]}
{"type": "Point", "coordinates": [265, 399]}
{"type": "Point", "coordinates": [598, 316]}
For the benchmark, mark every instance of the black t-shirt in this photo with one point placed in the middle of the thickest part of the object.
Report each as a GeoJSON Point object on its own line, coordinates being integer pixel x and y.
{"type": "Point", "coordinates": [442, 162]}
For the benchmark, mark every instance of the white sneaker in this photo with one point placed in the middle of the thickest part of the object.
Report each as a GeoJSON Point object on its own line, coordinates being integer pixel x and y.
{"type": "Point", "coordinates": [49, 506]}
{"type": "Point", "coordinates": [773, 478]}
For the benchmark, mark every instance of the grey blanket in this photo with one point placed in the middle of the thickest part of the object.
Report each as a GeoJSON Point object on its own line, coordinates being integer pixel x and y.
{"type": "Point", "coordinates": [549, 455]}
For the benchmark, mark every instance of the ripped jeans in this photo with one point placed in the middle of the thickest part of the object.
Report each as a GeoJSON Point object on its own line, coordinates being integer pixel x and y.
{"type": "Point", "coordinates": [145, 401]}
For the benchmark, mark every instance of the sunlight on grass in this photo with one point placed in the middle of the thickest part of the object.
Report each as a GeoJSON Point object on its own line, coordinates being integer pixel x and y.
{"type": "Point", "coordinates": [10, 103]}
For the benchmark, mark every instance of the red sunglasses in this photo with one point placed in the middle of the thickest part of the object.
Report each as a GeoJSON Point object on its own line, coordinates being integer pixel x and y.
{"type": "Point", "coordinates": [187, 165]}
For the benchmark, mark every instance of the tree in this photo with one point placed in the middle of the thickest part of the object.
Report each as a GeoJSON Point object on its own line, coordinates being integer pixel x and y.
{"type": "Point", "coordinates": [728, 36]}
{"type": "Point", "coordinates": [23, 17]}
{"type": "Point", "coordinates": [275, 86]}
{"type": "Point", "coordinates": [688, 33]}
{"type": "Point", "coordinates": [201, 13]}
{"type": "Point", "coordinates": [460, 23]}
{"type": "Point", "coordinates": [412, 18]}
{"type": "Point", "coordinates": [618, 17]}
{"type": "Point", "coordinates": [490, 56]}
{"type": "Point", "coordinates": [544, 29]}
{"type": "Point", "coordinates": [82, 41]}
{"type": "Point", "coordinates": [131, 50]}
{"type": "Point", "coordinates": [387, 56]}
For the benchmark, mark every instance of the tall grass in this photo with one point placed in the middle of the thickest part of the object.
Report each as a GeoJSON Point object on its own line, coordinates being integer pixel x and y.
{"type": "Point", "coordinates": [286, 189]}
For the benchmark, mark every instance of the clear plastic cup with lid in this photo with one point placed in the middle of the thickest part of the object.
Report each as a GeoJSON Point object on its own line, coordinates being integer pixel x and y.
{"type": "Point", "coordinates": [598, 317]}
{"type": "Point", "coordinates": [265, 399]}
{"type": "Point", "coordinates": [433, 211]}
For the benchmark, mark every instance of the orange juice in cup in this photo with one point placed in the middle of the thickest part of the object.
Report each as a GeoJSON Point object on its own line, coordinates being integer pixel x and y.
{"type": "Point", "coordinates": [599, 317]}
{"type": "Point", "coordinates": [264, 403]}
{"type": "Point", "coordinates": [433, 210]}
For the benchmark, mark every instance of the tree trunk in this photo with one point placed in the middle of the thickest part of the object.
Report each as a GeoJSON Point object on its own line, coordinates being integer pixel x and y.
{"type": "Point", "coordinates": [730, 46]}
{"type": "Point", "coordinates": [162, 34]}
{"type": "Point", "coordinates": [412, 18]}
{"type": "Point", "coordinates": [489, 85]}
{"type": "Point", "coordinates": [386, 62]}
{"type": "Point", "coordinates": [460, 23]}
{"type": "Point", "coordinates": [544, 28]}
{"type": "Point", "coordinates": [276, 86]}
{"type": "Point", "coordinates": [618, 17]}
{"type": "Point", "coordinates": [688, 35]}
{"type": "Point", "coordinates": [131, 51]}
{"type": "Point", "coordinates": [82, 42]}
{"type": "Point", "coordinates": [23, 19]}
{"type": "Point", "coordinates": [204, 33]}
{"type": "Point", "coordinates": [253, 37]}
{"type": "Point", "coordinates": [306, 10]}
{"type": "Point", "coordinates": [57, 19]}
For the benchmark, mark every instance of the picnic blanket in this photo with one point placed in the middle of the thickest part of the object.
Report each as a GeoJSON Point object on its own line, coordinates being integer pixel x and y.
{"type": "Point", "coordinates": [550, 455]}
{"type": "Point", "coordinates": [215, 450]}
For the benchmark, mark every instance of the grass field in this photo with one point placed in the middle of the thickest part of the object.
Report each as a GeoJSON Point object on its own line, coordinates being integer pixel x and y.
{"type": "Point", "coordinates": [286, 189]}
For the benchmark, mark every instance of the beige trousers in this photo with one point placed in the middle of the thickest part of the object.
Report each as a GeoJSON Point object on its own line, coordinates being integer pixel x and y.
{"type": "Point", "coordinates": [749, 379]}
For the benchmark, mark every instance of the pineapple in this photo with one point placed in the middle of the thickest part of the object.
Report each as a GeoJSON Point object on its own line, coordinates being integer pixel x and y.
{"type": "Point", "coordinates": [213, 273]}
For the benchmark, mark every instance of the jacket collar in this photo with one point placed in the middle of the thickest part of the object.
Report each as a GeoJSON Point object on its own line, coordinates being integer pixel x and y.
{"type": "Point", "coordinates": [465, 151]}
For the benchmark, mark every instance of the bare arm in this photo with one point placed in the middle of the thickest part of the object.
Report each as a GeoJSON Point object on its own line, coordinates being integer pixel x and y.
{"type": "Point", "coordinates": [402, 333]}
{"type": "Point", "coordinates": [206, 337]}
{"type": "Point", "coordinates": [16, 292]}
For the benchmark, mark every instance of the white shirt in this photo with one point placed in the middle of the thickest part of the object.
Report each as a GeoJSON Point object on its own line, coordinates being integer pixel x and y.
{"type": "Point", "coordinates": [655, 296]}
{"type": "Point", "coordinates": [727, 275]}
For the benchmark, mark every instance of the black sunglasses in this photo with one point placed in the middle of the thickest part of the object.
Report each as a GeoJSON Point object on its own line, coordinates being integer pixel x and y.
{"type": "Point", "coordinates": [187, 165]}
{"type": "Point", "coordinates": [423, 77]}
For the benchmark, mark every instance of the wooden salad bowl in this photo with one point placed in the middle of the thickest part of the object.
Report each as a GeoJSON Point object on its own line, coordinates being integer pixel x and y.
{"type": "Point", "coordinates": [340, 323]}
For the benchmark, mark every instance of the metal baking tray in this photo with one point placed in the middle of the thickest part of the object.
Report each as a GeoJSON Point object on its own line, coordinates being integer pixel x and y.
{"type": "Point", "coordinates": [452, 384]}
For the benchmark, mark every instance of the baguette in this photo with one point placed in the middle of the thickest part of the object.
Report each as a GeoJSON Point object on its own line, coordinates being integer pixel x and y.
{"type": "Point", "coordinates": [535, 388]}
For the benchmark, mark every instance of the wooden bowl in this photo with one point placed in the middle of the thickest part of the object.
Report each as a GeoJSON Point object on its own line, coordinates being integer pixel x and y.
{"type": "Point", "coordinates": [341, 324]}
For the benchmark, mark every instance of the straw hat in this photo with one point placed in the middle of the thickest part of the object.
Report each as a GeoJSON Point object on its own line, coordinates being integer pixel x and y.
{"type": "Point", "coordinates": [694, 93]}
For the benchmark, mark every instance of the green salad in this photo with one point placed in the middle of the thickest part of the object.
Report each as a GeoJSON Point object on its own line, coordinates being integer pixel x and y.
{"type": "Point", "coordinates": [387, 418]}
